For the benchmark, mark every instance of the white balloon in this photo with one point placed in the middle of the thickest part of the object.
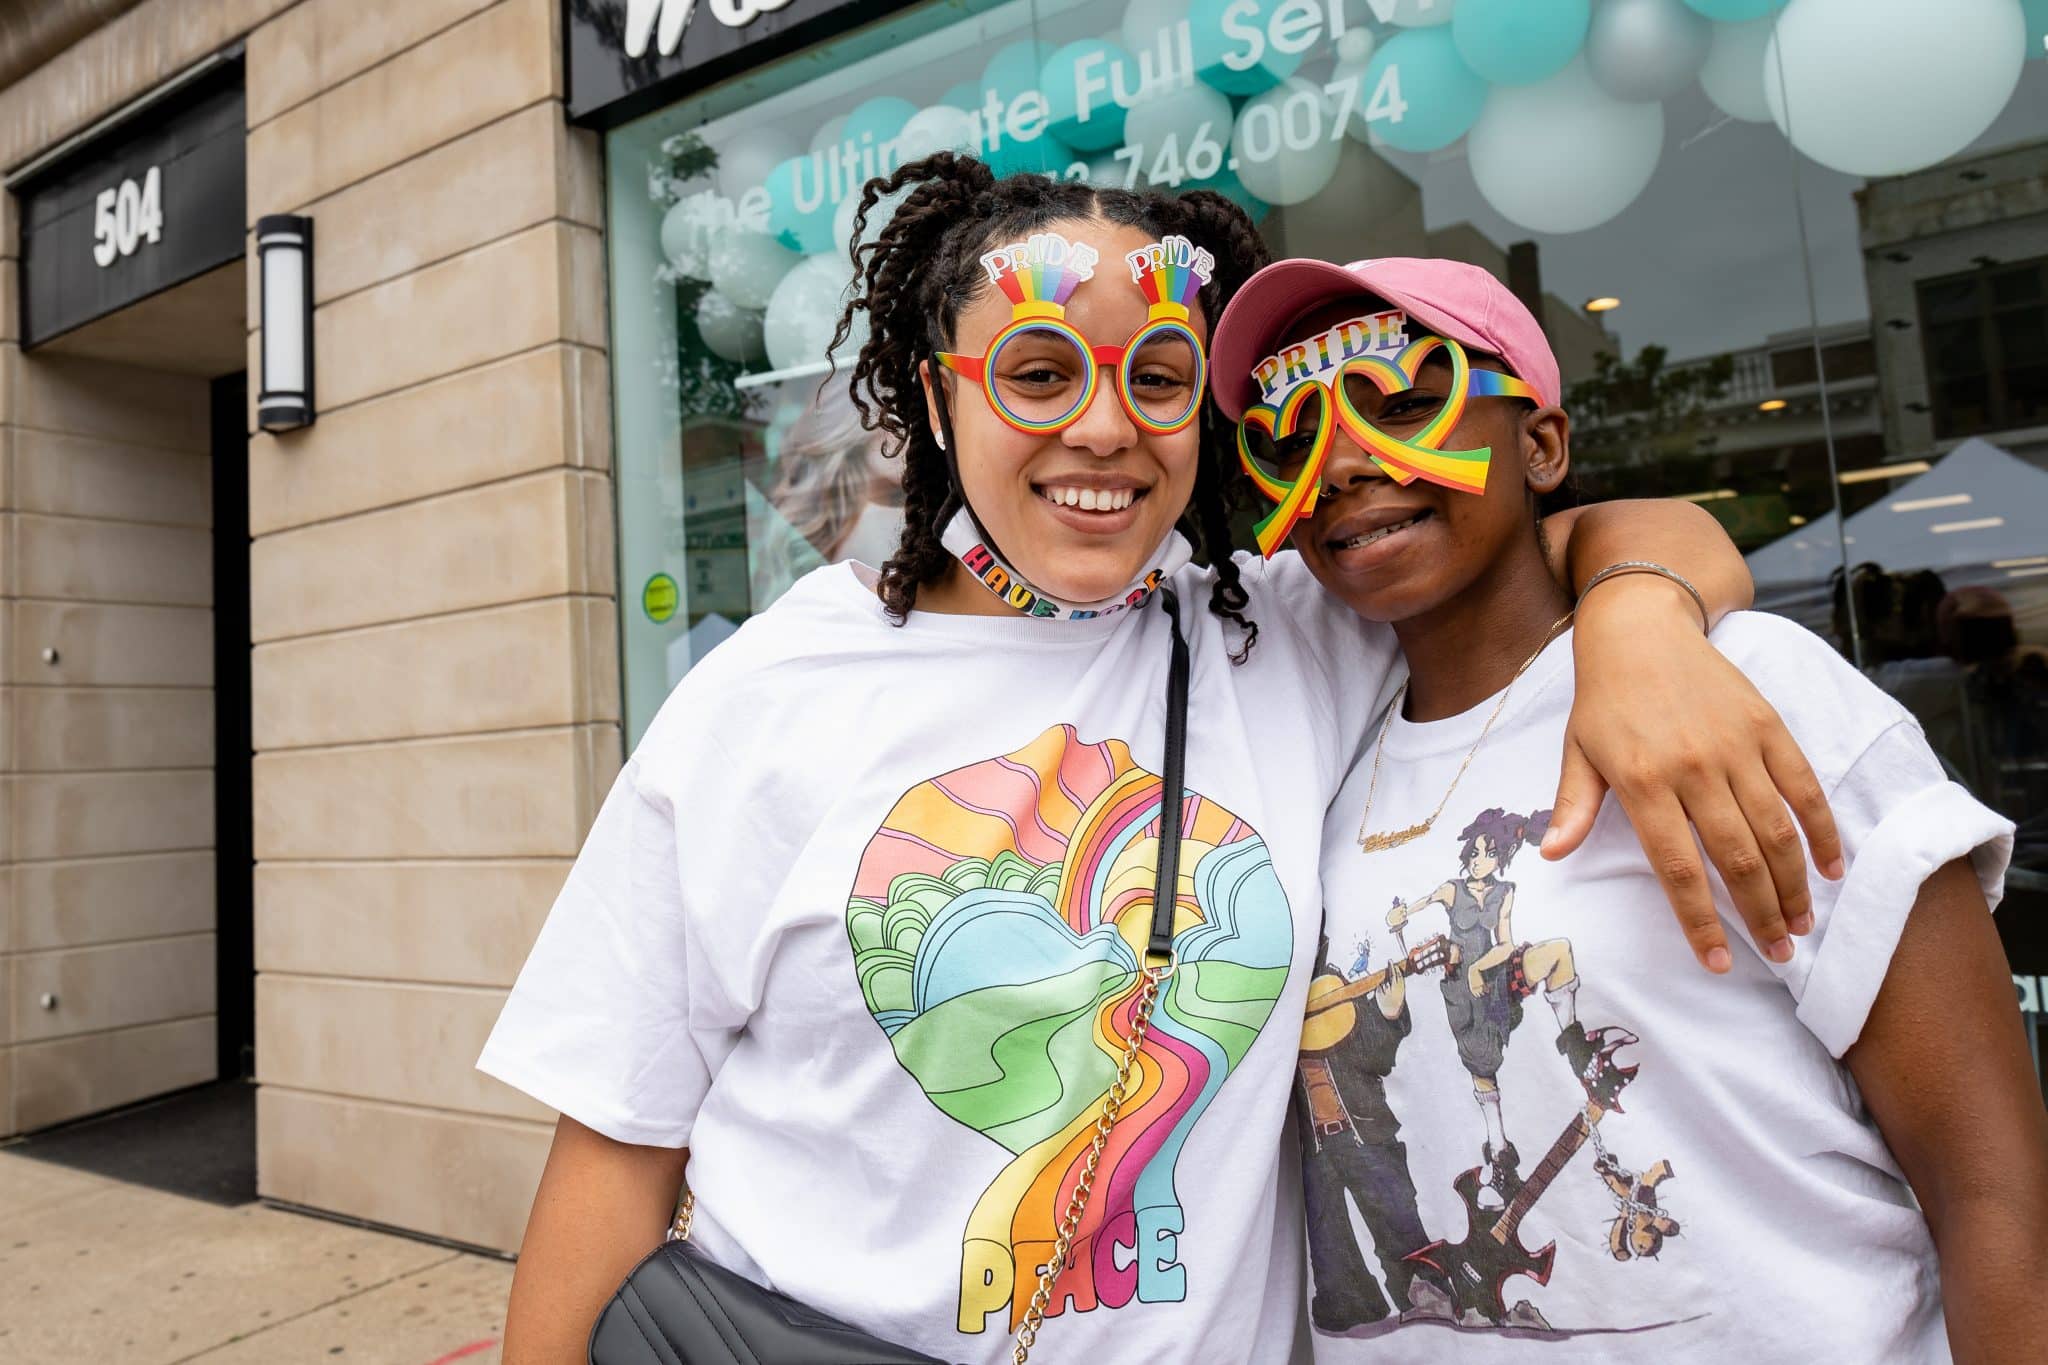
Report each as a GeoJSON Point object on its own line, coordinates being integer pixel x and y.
{"type": "Point", "coordinates": [1354, 56]}
{"type": "Point", "coordinates": [1733, 74]}
{"type": "Point", "coordinates": [687, 231]}
{"type": "Point", "coordinates": [805, 310]}
{"type": "Point", "coordinates": [1179, 113]}
{"type": "Point", "coordinates": [1284, 171]}
{"type": "Point", "coordinates": [1145, 20]}
{"type": "Point", "coordinates": [1356, 47]}
{"type": "Point", "coordinates": [1105, 171]}
{"type": "Point", "coordinates": [940, 128]}
{"type": "Point", "coordinates": [830, 134]}
{"type": "Point", "coordinates": [746, 266]}
{"type": "Point", "coordinates": [1881, 87]}
{"type": "Point", "coordinates": [1647, 49]}
{"type": "Point", "coordinates": [745, 158]}
{"type": "Point", "coordinates": [728, 329]}
{"type": "Point", "coordinates": [1563, 155]}
{"type": "Point", "coordinates": [878, 217]}
{"type": "Point", "coordinates": [1420, 13]}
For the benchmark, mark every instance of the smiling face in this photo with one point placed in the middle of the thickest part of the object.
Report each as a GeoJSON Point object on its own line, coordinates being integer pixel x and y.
{"type": "Point", "coordinates": [1080, 511]}
{"type": "Point", "coordinates": [1395, 552]}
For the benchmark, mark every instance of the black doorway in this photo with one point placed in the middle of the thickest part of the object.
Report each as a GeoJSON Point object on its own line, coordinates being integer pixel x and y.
{"type": "Point", "coordinates": [234, 870]}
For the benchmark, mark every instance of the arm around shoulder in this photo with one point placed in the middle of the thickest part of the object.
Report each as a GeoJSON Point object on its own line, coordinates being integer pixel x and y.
{"type": "Point", "coordinates": [1681, 536]}
{"type": "Point", "coordinates": [602, 1205]}
{"type": "Point", "coordinates": [1682, 738]}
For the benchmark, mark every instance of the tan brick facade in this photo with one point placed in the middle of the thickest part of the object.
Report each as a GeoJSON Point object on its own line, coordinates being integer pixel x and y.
{"type": "Point", "coordinates": [434, 671]}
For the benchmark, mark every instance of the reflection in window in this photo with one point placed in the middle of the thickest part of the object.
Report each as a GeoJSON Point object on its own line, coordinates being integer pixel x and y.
{"type": "Point", "coordinates": [1839, 349]}
{"type": "Point", "coordinates": [1987, 348]}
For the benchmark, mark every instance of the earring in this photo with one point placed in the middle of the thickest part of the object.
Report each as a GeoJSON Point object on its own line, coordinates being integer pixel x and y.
{"type": "Point", "coordinates": [939, 437]}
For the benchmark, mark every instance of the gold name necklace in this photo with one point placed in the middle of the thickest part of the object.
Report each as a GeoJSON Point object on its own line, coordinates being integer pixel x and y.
{"type": "Point", "coordinates": [1394, 838]}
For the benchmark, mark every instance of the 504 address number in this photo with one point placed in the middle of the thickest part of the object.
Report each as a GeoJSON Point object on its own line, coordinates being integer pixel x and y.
{"type": "Point", "coordinates": [126, 216]}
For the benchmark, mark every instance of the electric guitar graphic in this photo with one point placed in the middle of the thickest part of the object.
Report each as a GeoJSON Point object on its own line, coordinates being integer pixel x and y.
{"type": "Point", "coordinates": [1476, 1269]}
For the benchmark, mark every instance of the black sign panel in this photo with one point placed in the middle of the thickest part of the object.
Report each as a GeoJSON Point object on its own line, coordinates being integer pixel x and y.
{"type": "Point", "coordinates": [706, 41]}
{"type": "Point", "coordinates": [147, 205]}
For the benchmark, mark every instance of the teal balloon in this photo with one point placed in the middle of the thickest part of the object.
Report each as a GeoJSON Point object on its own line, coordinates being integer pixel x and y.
{"type": "Point", "coordinates": [1520, 42]}
{"type": "Point", "coordinates": [800, 206]}
{"type": "Point", "coordinates": [1044, 155]}
{"type": "Point", "coordinates": [1082, 82]}
{"type": "Point", "coordinates": [1014, 70]}
{"type": "Point", "coordinates": [1442, 94]}
{"type": "Point", "coordinates": [1736, 11]}
{"type": "Point", "coordinates": [2037, 28]}
{"type": "Point", "coordinates": [1232, 44]}
{"type": "Point", "coordinates": [881, 118]}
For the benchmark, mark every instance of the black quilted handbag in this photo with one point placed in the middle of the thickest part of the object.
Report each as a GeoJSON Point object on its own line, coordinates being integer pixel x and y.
{"type": "Point", "coordinates": [679, 1307]}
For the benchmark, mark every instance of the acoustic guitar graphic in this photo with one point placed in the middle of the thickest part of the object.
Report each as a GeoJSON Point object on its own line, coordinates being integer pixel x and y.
{"type": "Point", "coordinates": [1331, 1009]}
{"type": "Point", "coordinates": [1331, 1013]}
{"type": "Point", "coordinates": [1476, 1269]}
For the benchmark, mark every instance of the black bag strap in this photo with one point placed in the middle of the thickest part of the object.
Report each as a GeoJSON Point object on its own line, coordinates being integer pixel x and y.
{"type": "Point", "coordinates": [1172, 790]}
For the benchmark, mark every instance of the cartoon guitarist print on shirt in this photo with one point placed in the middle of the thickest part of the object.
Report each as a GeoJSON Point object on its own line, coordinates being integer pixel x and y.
{"type": "Point", "coordinates": [1352, 1031]}
{"type": "Point", "coordinates": [1351, 1139]}
{"type": "Point", "coordinates": [1484, 998]}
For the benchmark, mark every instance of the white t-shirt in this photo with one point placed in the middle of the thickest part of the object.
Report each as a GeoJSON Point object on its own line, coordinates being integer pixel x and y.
{"type": "Point", "coordinates": [844, 925]}
{"type": "Point", "coordinates": [1750, 1211]}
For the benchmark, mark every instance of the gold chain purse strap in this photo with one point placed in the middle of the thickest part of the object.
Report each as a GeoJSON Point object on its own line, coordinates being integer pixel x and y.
{"type": "Point", "coordinates": [1112, 1104]}
{"type": "Point", "coordinates": [1159, 968]}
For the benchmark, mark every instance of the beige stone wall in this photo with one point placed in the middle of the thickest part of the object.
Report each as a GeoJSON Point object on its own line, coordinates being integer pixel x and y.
{"type": "Point", "coordinates": [436, 697]}
{"type": "Point", "coordinates": [107, 897]}
{"type": "Point", "coordinates": [106, 715]}
{"type": "Point", "coordinates": [434, 666]}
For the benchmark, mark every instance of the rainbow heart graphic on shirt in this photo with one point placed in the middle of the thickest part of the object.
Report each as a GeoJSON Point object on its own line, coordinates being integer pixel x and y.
{"type": "Point", "coordinates": [998, 920]}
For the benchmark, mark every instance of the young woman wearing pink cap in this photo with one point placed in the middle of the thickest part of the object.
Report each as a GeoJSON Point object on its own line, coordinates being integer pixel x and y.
{"type": "Point", "coordinates": [1548, 1124]}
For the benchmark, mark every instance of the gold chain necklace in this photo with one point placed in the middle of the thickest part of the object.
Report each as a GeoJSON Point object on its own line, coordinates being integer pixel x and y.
{"type": "Point", "coordinates": [1378, 843]}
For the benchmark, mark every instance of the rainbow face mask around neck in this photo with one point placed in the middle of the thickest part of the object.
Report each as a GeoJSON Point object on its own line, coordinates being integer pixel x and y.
{"type": "Point", "coordinates": [1310, 390]}
{"type": "Point", "coordinates": [1040, 375]}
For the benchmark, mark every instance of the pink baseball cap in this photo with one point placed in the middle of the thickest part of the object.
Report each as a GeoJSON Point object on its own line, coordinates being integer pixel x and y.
{"type": "Point", "coordinates": [1450, 298]}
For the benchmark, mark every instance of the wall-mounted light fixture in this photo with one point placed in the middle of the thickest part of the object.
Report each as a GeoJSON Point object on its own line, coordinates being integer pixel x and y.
{"type": "Point", "coordinates": [284, 256]}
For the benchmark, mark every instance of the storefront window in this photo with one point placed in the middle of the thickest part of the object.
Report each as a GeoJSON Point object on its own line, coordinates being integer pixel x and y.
{"type": "Point", "coordinates": [1789, 255]}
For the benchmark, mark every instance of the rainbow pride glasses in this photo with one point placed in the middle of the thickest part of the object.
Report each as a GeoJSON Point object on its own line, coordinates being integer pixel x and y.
{"type": "Point", "coordinates": [1285, 445]}
{"type": "Point", "coordinates": [1040, 374]}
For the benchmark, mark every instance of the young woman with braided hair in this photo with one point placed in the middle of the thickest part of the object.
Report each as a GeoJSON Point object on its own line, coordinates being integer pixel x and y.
{"type": "Point", "coordinates": [861, 923]}
{"type": "Point", "coordinates": [912, 299]}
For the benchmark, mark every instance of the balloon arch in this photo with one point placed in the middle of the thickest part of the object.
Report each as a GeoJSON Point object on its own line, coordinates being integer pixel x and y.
{"type": "Point", "coordinates": [1559, 105]}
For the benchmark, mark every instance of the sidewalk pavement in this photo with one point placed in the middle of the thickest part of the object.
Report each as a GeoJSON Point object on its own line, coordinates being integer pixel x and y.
{"type": "Point", "coordinates": [96, 1271]}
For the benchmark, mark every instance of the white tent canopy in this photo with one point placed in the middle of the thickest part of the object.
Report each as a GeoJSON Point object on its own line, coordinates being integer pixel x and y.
{"type": "Point", "coordinates": [1977, 506]}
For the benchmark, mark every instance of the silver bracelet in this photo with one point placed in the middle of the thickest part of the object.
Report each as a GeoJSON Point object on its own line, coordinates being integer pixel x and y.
{"type": "Point", "coordinates": [1629, 566]}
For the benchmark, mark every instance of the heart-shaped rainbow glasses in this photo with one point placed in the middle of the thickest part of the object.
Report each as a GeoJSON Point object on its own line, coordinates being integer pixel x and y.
{"type": "Point", "coordinates": [1039, 374]}
{"type": "Point", "coordinates": [1285, 445]}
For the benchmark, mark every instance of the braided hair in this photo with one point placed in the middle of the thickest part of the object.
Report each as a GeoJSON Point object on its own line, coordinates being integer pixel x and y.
{"type": "Point", "coordinates": [917, 275]}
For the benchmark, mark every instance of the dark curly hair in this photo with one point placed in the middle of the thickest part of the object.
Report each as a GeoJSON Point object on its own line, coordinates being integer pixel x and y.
{"type": "Point", "coordinates": [922, 269]}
